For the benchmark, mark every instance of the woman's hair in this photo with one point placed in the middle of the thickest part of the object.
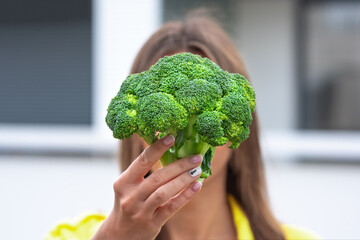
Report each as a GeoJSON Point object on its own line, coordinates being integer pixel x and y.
{"type": "Point", "coordinates": [245, 177]}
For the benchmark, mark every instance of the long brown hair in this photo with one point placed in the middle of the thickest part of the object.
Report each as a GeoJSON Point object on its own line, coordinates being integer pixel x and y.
{"type": "Point", "coordinates": [245, 178]}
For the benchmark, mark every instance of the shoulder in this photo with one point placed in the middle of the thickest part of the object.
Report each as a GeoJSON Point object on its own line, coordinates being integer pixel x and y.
{"type": "Point", "coordinates": [83, 228]}
{"type": "Point", "coordinates": [292, 232]}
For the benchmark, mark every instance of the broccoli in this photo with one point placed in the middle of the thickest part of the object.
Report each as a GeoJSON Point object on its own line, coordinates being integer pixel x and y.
{"type": "Point", "coordinates": [189, 97]}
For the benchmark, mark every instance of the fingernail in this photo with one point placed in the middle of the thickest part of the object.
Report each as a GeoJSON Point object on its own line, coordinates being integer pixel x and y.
{"type": "Point", "coordinates": [168, 140]}
{"type": "Point", "coordinates": [196, 186]}
{"type": "Point", "coordinates": [195, 172]}
{"type": "Point", "coordinates": [196, 159]}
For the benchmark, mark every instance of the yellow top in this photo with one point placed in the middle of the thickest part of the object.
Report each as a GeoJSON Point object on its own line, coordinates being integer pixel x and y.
{"type": "Point", "coordinates": [88, 225]}
{"type": "Point", "coordinates": [244, 231]}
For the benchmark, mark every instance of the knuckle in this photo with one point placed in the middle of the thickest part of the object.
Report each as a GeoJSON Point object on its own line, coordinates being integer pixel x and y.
{"type": "Point", "coordinates": [185, 179]}
{"type": "Point", "coordinates": [159, 196]}
{"type": "Point", "coordinates": [182, 165]}
{"type": "Point", "coordinates": [181, 182]}
{"type": "Point", "coordinates": [156, 178]}
{"type": "Point", "coordinates": [116, 188]}
{"type": "Point", "coordinates": [172, 207]}
{"type": "Point", "coordinates": [176, 184]}
{"type": "Point", "coordinates": [127, 207]}
{"type": "Point", "coordinates": [188, 194]}
{"type": "Point", "coordinates": [118, 185]}
{"type": "Point", "coordinates": [143, 158]}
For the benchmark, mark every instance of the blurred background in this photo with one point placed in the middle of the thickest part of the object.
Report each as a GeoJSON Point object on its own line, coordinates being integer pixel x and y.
{"type": "Point", "coordinates": [62, 61]}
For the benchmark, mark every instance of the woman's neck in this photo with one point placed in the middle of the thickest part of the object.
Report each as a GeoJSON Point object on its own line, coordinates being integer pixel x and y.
{"type": "Point", "coordinates": [207, 216]}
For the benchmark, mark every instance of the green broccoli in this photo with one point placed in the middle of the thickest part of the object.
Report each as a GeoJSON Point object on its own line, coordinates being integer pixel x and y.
{"type": "Point", "coordinates": [189, 97]}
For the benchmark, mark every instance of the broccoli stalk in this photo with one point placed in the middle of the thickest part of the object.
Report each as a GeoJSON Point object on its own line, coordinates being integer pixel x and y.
{"type": "Point", "coordinates": [189, 97]}
{"type": "Point", "coordinates": [188, 143]}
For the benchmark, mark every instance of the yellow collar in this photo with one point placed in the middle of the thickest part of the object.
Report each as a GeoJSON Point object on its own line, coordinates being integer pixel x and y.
{"type": "Point", "coordinates": [244, 232]}
{"type": "Point", "coordinates": [240, 220]}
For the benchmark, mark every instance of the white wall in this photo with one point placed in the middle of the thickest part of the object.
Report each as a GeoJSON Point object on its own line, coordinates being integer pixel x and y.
{"type": "Point", "coordinates": [120, 29]}
{"type": "Point", "coordinates": [266, 41]}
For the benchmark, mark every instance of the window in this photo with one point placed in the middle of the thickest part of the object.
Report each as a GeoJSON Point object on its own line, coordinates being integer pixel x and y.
{"type": "Point", "coordinates": [45, 62]}
{"type": "Point", "coordinates": [329, 73]}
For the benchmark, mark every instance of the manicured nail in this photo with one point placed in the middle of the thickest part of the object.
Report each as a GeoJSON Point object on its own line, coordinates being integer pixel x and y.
{"type": "Point", "coordinates": [168, 140]}
{"type": "Point", "coordinates": [196, 186]}
{"type": "Point", "coordinates": [196, 159]}
{"type": "Point", "coordinates": [195, 172]}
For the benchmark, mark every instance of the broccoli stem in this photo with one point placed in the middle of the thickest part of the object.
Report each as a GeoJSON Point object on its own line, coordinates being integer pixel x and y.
{"type": "Point", "coordinates": [149, 140]}
{"type": "Point", "coordinates": [190, 129]}
{"type": "Point", "coordinates": [192, 147]}
{"type": "Point", "coordinates": [188, 143]}
{"type": "Point", "coordinates": [167, 158]}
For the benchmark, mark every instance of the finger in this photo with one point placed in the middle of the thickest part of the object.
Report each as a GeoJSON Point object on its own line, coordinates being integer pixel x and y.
{"type": "Point", "coordinates": [167, 173]}
{"type": "Point", "coordinates": [169, 190]}
{"type": "Point", "coordinates": [176, 203]}
{"type": "Point", "coordinates": [143, 163]}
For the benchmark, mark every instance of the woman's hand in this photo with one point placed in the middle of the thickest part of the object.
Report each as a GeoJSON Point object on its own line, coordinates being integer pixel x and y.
{"type": "Point", "coordinates": [142, 206]}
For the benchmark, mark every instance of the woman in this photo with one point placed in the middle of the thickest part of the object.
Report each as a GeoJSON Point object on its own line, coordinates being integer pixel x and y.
{"type": "Point", "coordinates": [232, 203]}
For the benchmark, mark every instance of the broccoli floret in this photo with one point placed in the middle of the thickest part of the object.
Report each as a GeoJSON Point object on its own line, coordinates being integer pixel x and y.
{"type": "Point", "coordinates": [236, 106]}
{"type": "Point", "coordinates": [122, 117]}
{"type": "Point", "coordinates": [189, 97]}
{"type": "Point", "coordinates": [160, 112]}
{"type": "Point", "coordinates": [198, 96]}
{"type": "Point", "coordinates": [210, 128]}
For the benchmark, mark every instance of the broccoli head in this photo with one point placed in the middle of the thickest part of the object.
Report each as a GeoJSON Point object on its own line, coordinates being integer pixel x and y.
{"type": "Point", "coordinates": [189, 97]}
